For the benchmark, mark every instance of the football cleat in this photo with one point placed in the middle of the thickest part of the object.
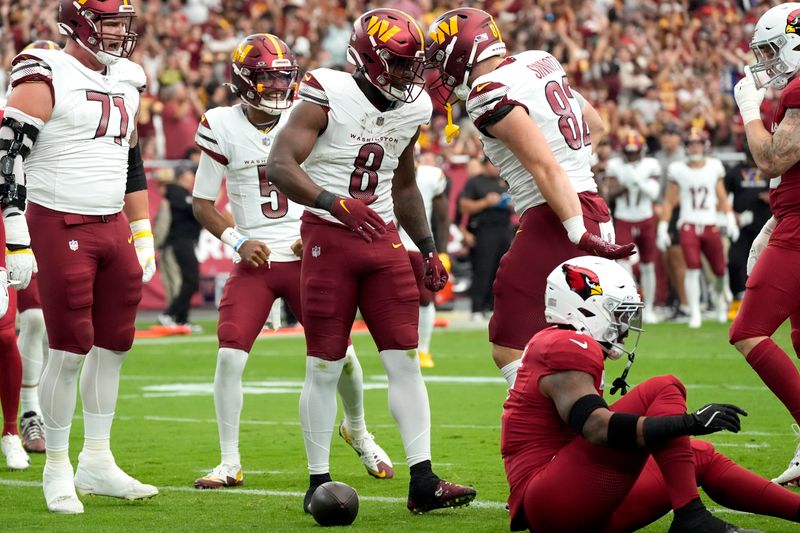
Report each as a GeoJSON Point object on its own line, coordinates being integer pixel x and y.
{"type": "Point", "coordinates": [375, 460]}
{"type": "Point", "coordinates": [425, 360]}
{"type": "Point", "coordinates": [223, 475]}
{"type": "Point", "coordinates": [59, 489]}
{"type": "Point", "coordinates": [703, 522]}
{"type": "Point", "coordinates": [102, 477]}
{"type": "Point", "coordinates": [791, 476]}
{"type": "Point", "coordinates": [32, 432]}
{"type": "Point", "coordinates": [16, 458]}
{"type": "Point", "coordinates": [445, 494]}
{"type": "Point", "coordinates": [695, 320]}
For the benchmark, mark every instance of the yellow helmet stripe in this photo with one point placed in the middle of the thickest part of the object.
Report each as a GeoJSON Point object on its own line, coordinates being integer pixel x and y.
{"type": "Point", "coordinates": [276, 43]}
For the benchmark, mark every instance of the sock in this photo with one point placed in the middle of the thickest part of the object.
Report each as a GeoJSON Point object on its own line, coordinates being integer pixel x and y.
{"type": "Point", "coordinates": [318, 411]}
{"type": "Point", "coordinates": [408, 401]}
{"type": "Point", "coordinates": [228, 400]}
{"type": "Point", "coordinates": [509, 371]}
{"type": "Point", "coordinates": [351, 390]}
{"type": "Point", "coordinates": [737, 488]}
{"type": "Point", "coordinates": [427, 316]}
{"type": "Point", "coordinates": [647, 273]}
{"type": "Point", "coordinates": [31, 348]}
{"type": "Point", "coordinates": [99, 388]}
{"type": "Point", "coordinates": [58, 390]}
{"type": "Point", "coordinates": [779, 373]}
{"type": "Point", "coordinates": [10, 380]}
{"type": "Point", "coordinates": [692, 283]}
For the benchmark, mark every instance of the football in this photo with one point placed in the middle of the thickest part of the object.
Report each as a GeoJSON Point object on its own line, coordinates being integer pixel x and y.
{"type": "Point", "coordinates": [334, 504]}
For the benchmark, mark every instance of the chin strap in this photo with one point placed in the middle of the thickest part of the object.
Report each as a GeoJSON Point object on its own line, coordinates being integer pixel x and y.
{"type": "Point", "coordinates": [451, 131]}
{"type": "Point", "coordinates": [620, 383]}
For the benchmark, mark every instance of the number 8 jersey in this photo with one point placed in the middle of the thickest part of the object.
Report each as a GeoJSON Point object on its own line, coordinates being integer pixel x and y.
{"type": "Point", "coordinates": [536, 81]}
{"type": "Point", "coordinates": [357, 153]}
{"type": "Point", "coordinates": [236, 150]}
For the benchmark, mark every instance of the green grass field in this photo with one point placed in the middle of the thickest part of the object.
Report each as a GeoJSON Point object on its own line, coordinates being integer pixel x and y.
{"type": "Point", "coordinates": [165, 434]}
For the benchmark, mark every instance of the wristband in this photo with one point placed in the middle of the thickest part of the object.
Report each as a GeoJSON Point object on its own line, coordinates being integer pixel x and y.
{"type": "Point", "coordinates": [232, 238]}
{"type": "Point", "coordinates": [582, 409]}
{"type": "Point", "coordinates": [575, 228]}
{"type": "Point", "coordinates": [426, 246]}
{"type": "Point", "coordinates": [325, 200]}
{"type": "Point", "coordinates": [658, 430]}
{"type": "Point", "coordinates": [622, 431]}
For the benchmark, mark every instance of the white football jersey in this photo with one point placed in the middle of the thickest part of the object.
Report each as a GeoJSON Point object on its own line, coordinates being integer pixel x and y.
{"type": "Point", "coordinates": [79, 163]}
{"type": "Point", "coordinates": [634, 205]}
{"type": "Point", "coordinates": [698, 190]}
{"type": "Point", "coordinates": [536, 81]}
{"type": "Point", "coordinates": [240, 152]}
{"type": "Point", "coordinates": [431, 182]}
{"type": "Point", "coordinates": [358, 152]}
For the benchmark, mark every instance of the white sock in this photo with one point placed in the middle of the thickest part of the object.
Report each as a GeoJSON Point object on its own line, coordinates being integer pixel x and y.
{"type": "Point", "coordinates": [351, 390]}
{"type": "Point", "coordinates": [509, 371]}
{"type": "Point", "coordinates": [692, 284]}
{"type": "Point", "coordinates": [58, 390]}
{"type": "Point", "coordinates": [408, 401]}
{"type": "Point", "coordinates": [228, 399]}
{"type": "Point", "coordinates": [648, 277]}
{"type": "Point", "coordinates": [31, 333]}
{"type": "Point", "coordinates": [99, 388]}
{"type": "Point", "coordinates": [318, 411]}
{"type": "Point", "coordinates": [427, 316]}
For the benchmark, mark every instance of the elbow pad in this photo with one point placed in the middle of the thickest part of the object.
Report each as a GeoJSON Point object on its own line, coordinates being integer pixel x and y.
{"type": "Point", "coordinates": [18, 133]}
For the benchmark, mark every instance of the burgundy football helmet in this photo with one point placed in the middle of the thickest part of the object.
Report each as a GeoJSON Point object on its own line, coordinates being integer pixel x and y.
{"type": "Point", "coordinates": [84, 21]}
{"type": "Point", "coordinates": [696, 137]}
{"type": "Point", "coordinates": [388, 46]}
{"type": "Point", "coordinates": [264, 73]}
{"type": "Point", "coordinates": [633, 145]}
{"type": "Point", "coordinates": [42, 44]}
{"type": "Point", "coordinates": [457, 40]}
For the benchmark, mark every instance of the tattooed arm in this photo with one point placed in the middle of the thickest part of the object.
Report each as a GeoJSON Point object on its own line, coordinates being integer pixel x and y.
{"type": "Point", "coordinates": [775, 153]}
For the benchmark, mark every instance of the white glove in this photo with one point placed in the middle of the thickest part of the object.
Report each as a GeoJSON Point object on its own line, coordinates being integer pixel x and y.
{"type": "Point", "coordinates": [760, 243]}
{"type": "Point", "coordinates": [745, 218]}
{"type": "Point", "coordinates": [662, 236]}
{"type": "Point", "coordinates": [20, 262]}
{"type": "Point", "coordinates": [748, 98]}
{"type": "Point", "coordinates": [145, 247]}
{"type": "Point", "coordinates": [3, 292]}
{"type": "Point", "coordinates": [731, 227]}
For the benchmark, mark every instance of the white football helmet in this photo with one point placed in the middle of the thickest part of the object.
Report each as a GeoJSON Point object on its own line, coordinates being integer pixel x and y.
{"type": "Point", "coordinates": [776, 45]}
{"type": "Point", "coordinates": [597, 297]}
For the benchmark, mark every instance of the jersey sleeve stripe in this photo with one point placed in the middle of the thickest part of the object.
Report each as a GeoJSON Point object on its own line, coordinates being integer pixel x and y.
{"type": "Point", "coordinates": [28, 69]}
{"type": "Point", "coordinates": [219, 158]}
{"type": "Point", "coordinates": [314, 95]}
{"type": "Point", "coordinates": [206, 138]}
{"type": "Point", "coordinates": [310, 81]}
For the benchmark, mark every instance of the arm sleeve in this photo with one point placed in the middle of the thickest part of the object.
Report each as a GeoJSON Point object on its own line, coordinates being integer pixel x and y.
{"type": "Point", "coordinates": [208, 180]}
{"type": "Point", "coordinates": [488, 103]}
{"type": "Point", "coordinates": [137, 181]}
{"type": "Point", "coordinates": [206, 140]}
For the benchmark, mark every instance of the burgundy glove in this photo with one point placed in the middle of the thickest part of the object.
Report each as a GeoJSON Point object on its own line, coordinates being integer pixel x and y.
{"type": "Point", "coordinates": [354, 213]}
{"type": "Point", "coordinates": [594, 245]}
{"type": "Point", "coordinates": [435, 277]}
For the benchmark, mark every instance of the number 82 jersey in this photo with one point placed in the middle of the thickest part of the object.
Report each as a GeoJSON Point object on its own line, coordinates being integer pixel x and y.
{"type": "Point", "coordinates": [236, 150]}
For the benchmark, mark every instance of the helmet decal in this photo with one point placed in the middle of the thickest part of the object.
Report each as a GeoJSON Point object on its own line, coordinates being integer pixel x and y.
{"type": "Point", "coordinates": [582, 281]}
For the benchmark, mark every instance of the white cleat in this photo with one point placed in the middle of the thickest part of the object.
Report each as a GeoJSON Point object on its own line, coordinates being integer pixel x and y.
{"type": "Point", "coordinates": [695, 321]}
{"type": "Point", "coordinates": [103, 477]}
{"type": "Point", "coordinates": [791, 475]}
{"type": "Point", "coordinates": [59, 489]}
{"type": "Point", "coordinates": [375, 460]}
{"type": "Point", "coordinates": [223, 475]}
{"type": "Point", "coordinates": [16, 458]}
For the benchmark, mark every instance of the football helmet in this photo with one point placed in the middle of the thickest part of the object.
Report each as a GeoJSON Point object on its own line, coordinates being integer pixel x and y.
{"type": "Point", "coordinates": [264, 73]}
{"type": "Point", "coordinates": [776, 45]}
{"type": "Point", "coordinates": [697, 144]}
{"type": "Point", "coordinates": [42, 44]}
{"type": "Point", "coordinates": [388, 47]}
{"type": "Point", "coordinates": [598, 297]}
{"type": "Point", "coordinates": [86, 21]}
{"type": "Point", "coordinates": [457, 40]}
{"type": "Point", "coordinates": [633, 145]}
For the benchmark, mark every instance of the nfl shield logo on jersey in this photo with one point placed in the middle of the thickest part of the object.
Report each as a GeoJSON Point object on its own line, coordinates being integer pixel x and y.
{"type": "Point", "coordinates": [267, 141]}
{"type": "Point", "coordinates": [315, 251]}
{"type": "Point", "coordinates": [73, 245]}
{"type": "Point", "coordinates": [379, 121]}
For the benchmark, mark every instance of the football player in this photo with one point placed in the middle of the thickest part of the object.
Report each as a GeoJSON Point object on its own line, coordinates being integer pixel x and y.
{"type": "Point", "coordinates": [575, 464]}
{"type": "Point", "coordinates": [235, 142]}
{"type": "Point", "coordinates": [355, 136]}
{"type": "Point", "coordinates": [633, 183]}
{"type": "Point", "coordinates": [70, 129]}
{"type": "Point", "coordinates": [697, 185]}
{"type": "Point", "coordinates": [534, 128]}
{"type": "Point", "coordinates": [774, 264]}
{"type": "Point", "coordinates": [432, 184]}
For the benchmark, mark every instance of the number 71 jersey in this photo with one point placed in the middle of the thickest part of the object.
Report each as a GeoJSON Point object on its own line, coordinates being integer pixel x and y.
{"type": "Point", "coordinates": [238, 152]}
{"type": "Point", "coordinates": [535, 81]}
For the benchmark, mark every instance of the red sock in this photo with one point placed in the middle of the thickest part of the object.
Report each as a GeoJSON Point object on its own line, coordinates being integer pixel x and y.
{"type": "Point", "coordinates": [778, 372]}
{"type": "Point", "coordinates": [737, 488]}
{"type": "Point", "coordinates": [10, 380]}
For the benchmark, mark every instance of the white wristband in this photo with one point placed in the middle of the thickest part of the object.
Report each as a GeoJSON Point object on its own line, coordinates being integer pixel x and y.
{"type": "Point", "coordinates": [575, 228]}
{"type": "Point", "coordinates": [232, 238]}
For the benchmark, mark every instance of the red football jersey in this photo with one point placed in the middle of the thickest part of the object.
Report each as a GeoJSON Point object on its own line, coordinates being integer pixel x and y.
{"type": "Point", "coordinates": [784, 192]}
{"type": "Point", "coordinates": [532, 430]}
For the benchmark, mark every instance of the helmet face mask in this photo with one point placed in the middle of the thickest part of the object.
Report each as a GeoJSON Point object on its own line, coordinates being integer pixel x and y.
{"type": "Point", "coordinates": [776, 45]}
{"type": "Point", "coordinates": [102, 27]}
{"type": "Point", "coordinates": [770, 69]}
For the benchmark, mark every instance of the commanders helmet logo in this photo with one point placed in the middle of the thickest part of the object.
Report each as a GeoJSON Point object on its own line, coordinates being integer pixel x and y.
{"type": "Point", "coordinates": [793, 22]}
{"type": "Point", "coordinates": [582, 281]}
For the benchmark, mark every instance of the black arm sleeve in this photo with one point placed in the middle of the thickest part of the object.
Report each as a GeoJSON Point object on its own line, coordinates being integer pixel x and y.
{"type": "Point", "coordinates": [137, 181]}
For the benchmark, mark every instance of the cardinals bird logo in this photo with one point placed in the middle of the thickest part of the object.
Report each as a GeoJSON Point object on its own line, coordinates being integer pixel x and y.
{"type": "Point", "coordinates": [582, 281]}
{"type": "Point", "coordinates": [793, 22]}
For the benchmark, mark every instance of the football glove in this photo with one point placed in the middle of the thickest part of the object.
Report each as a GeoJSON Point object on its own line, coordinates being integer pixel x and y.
{"type": "Point", "coordinates": [715, 417]}
{"type": "Point", "coordinates": [759, 243]}
{"type": "Point", "coordinates": [4, 283]}
{"type": "Point", "coordinates": [594, 245]}
{"type": "Point", "coordinates": [731, 227]}
{"type": "Point", "coordinates": [663, 240]}
{"type": "Point", "coordinates": [145, 247]}
{"type": "Point", "coordinates": [435, 277]}
{"type": "Point", "coordinates": [20, 262]}
{"type": "Point", "coordinates": [748, 98]}
{"type": "Point", "coordinates": [356, 215]}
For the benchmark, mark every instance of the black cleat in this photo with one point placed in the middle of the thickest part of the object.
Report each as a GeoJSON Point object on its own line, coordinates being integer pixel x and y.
{"type": "Point", "coordinates": [445, 494]}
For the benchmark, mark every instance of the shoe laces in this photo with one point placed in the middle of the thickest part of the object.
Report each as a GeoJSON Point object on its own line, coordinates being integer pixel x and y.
{"type": "Point", "coordinates": [220, 471]}
{"type": "Point", "coordinates": [32, 428]}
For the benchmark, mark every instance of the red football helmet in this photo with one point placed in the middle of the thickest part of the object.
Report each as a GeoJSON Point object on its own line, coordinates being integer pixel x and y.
{"type": "Point", "coordinates": [87, 22]}
{"type": "Point", "coordinates": [388, 46]}
{"type": "Point", "coordinates": [457, 40]}
{"type": "Point", "coordinates": [633, 145]}
{"type": "Point", "coordinates": [264, 73]}
{"type": "Point", "coordinates": [42, 44]}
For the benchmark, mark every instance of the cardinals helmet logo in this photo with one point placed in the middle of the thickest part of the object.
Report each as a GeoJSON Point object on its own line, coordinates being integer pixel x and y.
{"type": "Point", "coordinates": [793, 22]}
{"type": "Point", "coordinates": [582, 281]}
